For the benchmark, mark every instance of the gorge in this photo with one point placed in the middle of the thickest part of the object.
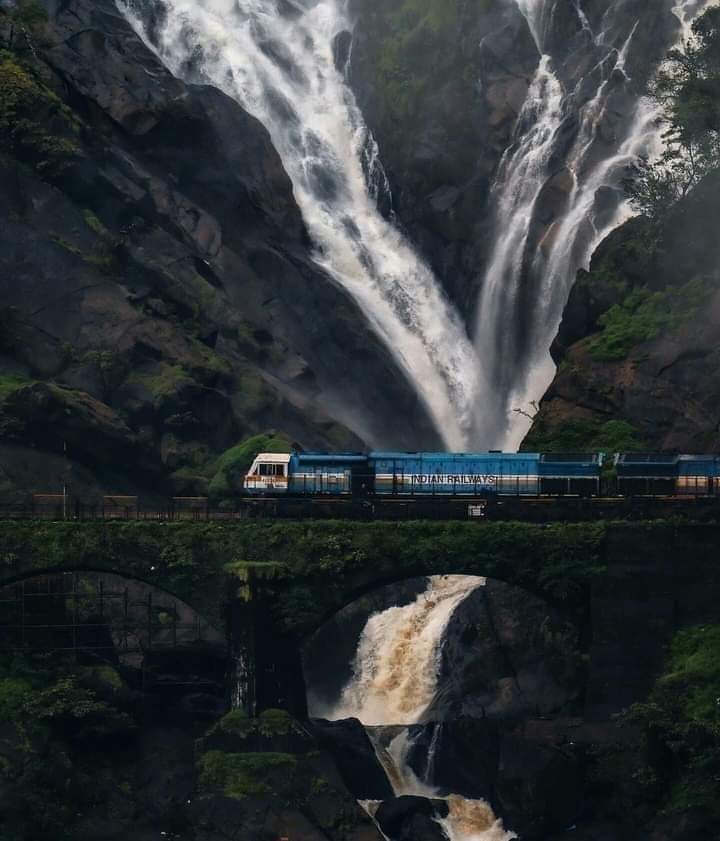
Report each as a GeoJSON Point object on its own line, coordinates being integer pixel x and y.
{"type": "Point", "coordinates": [556, 194]}
{"type": "Point", "coordinates": [398, 261]}
{"type": "Point", "coordinates": [239, 226]}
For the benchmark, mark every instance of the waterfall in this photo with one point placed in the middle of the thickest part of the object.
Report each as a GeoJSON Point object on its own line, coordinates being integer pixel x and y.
{"type": "Point", "coordinates": [394, 680]}
{"type": "Point", "coordinates": [574, 139]}
{"type": "Point", "coordinates": [398, 657]}
{"type": "Point", "coordinates": [533, 260]}
{"type": "Point", "coordinates": [277, 59]}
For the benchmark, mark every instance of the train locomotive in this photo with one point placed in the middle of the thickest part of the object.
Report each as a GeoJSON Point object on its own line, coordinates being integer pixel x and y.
{"type": "Point", "coordinates": [396, 475]}
{"type": "Point", "coordinates": [413, 475]}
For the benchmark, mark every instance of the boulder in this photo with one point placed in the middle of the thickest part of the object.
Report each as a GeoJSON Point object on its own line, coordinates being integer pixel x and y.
{"type": "Point", "coordinates": [355, 757]}
{"type": "Point", "coordinates": [459, 756]}
{"type": "Point", "coordinates": [539, 788]}
{"type": "Point", "coordinates": [410, 818]}
{"type": "Point", "coordinates": [507, 655]}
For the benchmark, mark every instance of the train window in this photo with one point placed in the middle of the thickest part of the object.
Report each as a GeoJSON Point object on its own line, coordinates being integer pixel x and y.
{"type": "Point", "coordinates": [272, 469]}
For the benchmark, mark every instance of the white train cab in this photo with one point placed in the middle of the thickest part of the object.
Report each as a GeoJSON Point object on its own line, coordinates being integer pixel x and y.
{"type": "Point", "coordinates": [269, 472]}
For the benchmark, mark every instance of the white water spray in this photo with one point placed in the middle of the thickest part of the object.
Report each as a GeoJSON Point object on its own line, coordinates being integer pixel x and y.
{"type": "Point", "coordinates": [279, 64]}
{"type": "Point", "coordinates": [395, 677]}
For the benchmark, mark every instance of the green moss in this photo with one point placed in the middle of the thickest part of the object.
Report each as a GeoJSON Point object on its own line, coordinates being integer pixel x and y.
{"type": "Point", "coordinates": [35, 125]}
{"type": "Point", "coordinates": [14, 695]}
{"type": "Point", "coordinates": [212, 362]}
{"type": "Point", "coordinates": [102, 258]}
{"type": "Point", "coordinates": [275, 722]}
{"type": "Point", "coordinates": [240, 775]}
{"type": "Point", "coordinates": [163, 382]}
{"type": "Point", "coordinates": [96, 226]}
{"type": "Point", "coordinates": [644, 314]}
{"type": "Point", "coordinates": [236, 723]}
{"type": "Point", "coordinates": [9, 384]}
{"type": "Point", "coordinates": [316, 564]}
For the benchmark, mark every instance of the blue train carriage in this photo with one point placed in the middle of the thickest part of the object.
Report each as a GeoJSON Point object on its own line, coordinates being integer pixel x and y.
{"type": "Point", "coordinates": [485, 474]}
{"type": "Point", "coordinates": [308, 474]}
{"type": "Point", "coordinates": [664, 474]}
{"type": "Point", "coordinates": [570, 474]}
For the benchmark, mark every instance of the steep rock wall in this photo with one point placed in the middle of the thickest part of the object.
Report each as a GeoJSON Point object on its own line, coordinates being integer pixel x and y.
{"type": "Point", "coordinates": [638, 346]}
{"type": "Point", "coordinates": [156, 278]}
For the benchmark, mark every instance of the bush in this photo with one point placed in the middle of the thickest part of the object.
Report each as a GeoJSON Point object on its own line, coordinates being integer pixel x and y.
{"type": "Point", "coordinates": [645, 314]}
{"type": "Point", "coordinates": [577, 435]}
{"type": "Point", "coordinates": [681, 724]}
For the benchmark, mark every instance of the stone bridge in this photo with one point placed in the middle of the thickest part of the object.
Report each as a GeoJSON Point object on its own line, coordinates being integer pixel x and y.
{"type": "Point", "coordinates": [269, 584]}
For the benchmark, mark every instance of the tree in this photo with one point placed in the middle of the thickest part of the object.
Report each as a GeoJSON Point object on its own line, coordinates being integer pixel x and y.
{"type": "Point", "coordinates": [25, 14]}
{"type": "Point", "coordinates": [688, 89]}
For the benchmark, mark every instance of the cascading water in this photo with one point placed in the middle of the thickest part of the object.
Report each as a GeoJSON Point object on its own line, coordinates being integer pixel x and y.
{"type": "Point", "coordinates": [575, 136]}
{"type": "Point", "coordinates": [533, 260]}
{"type": "Point", "coordinates": [278, 61]}
{"type": "Point", "coordinates": [395, 675]}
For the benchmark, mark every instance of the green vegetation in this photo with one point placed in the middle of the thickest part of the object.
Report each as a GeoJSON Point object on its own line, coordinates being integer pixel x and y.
{"type": "Point", "coordinates": [102, 257]}
{"type": "Point", "coordinates": [232, 465]}
{"type": "Point", "coordinates": [96, 226]}
{"type": "Point", "coordinates": [688, 88]}
{"type": "Point", "coordinates": [163, 381]}
{"type": "Point", "coordinates": [644, 314]}
{"type": "Point", "coordinates": [29, 13]}
{"type": "Point", "coordinates": [10, 383]}
{"type": "Point", "coordinates": [578, 435]}
{"type": "Point", "coordinates": [240, 775]}
{"type": "Point", "coordinates": [61, 738]}
{"type": "Point", "coordinates": [315, 565]}
{"type": "Point", "coordinates": [681, 725]}
{"type": "Point", "coordinates": [35, 125]}
{"type": "Point", "coordinates": [416, 28]}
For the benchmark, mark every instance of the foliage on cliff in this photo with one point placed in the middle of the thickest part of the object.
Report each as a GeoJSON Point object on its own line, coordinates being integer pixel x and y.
{"type": "Point", "coordinates": [638, 344]}
{"type": "Point", "coordinates": [63, 745]}
{"type": "Point", "coordinates": [681, 725]}
{"type": "Point", "coordinates": [271, 767]}
{"type": "Point", "coordinates": [688, 88]}
{"type": "Point", "coordinates": [154, 298]}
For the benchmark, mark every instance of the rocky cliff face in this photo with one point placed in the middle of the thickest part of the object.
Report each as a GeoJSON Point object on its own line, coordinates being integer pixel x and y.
{"type": "Point", "coordinates": [158, 298]}
{"type": "Point", "coordinates": [637, 350]}
{"type": "Point", "coordinates": [441, 86]}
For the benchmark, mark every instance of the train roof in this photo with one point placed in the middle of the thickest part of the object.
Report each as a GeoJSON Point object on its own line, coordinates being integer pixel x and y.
{"type": "Point", "coordinates": [662, 458]}
{"type": "Point", "coordinates": [571, 458]}
{"type": "Point", "coordinates": [378, 454]}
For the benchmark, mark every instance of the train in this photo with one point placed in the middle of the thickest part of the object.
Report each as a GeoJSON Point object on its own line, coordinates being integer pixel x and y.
{"type": "Point", "coordinates": [493, 474]}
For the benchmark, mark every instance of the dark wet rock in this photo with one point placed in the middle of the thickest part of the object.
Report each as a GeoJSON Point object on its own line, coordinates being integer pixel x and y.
{"type": "Point", "coordinates": [539, 788]}
{"type": "Point", "coordinates": [354, 755]}
{"type": "Point", "coordinates": [446, 128]}
{"type": "Point", "coordinates": [412, 818]}
{"type": "Point", "coordinates": [298, 795]}
{"type": "Point", "coordinates": [139, 269]}
{"type": "Point", "coordinates": [459, 756]}
{"type": "Point", "coordinates": [507, 655]}
{"type": "Point", "coordinates": [664, 387]}
{"type": "Point", "coordinates": [442, 88]}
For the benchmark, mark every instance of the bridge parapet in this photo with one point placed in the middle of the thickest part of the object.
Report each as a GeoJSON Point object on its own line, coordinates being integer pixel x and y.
{"type": "Point", "coordinates": [273, 583]}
